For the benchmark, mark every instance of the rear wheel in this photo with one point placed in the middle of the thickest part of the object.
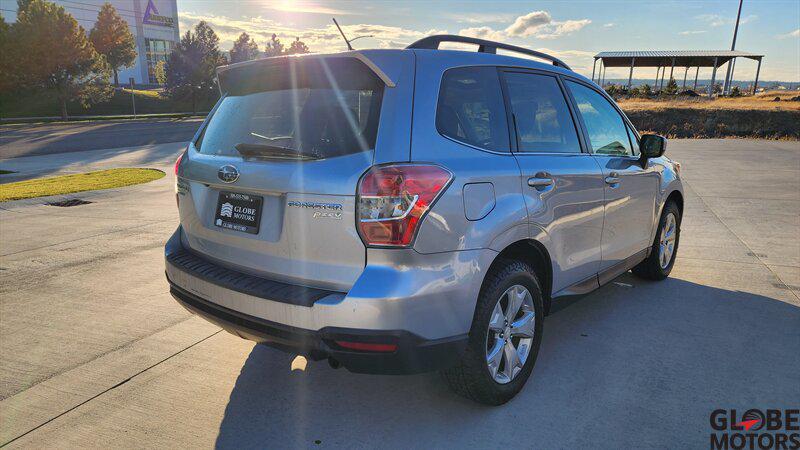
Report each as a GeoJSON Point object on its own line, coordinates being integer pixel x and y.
{"type": "Point", "coordinates": [659, 264]}
{"type": "Point", "coordinates": [504, 339]}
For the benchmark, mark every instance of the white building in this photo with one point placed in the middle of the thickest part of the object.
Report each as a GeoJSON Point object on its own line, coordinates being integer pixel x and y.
{"type": "Point", "coordinates": [153, 23]}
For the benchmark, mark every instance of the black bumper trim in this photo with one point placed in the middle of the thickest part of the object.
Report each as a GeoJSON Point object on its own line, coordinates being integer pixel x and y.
{"type": "Point", "coordinates": [197, 266]}
{"type": "Point", "coordinates": [414, 354]}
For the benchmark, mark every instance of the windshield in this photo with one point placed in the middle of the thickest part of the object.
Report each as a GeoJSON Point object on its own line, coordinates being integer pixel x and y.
{"type": "Point", "coordinates": [315, 115]}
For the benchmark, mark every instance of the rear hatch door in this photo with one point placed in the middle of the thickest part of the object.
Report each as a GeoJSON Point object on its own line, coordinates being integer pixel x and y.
{"type": "Point", "coordinates": [269, 184]}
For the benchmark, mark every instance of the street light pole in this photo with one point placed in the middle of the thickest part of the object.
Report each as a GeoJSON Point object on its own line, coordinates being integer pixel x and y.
{"type": "Point", "coordinates": [726, 86]}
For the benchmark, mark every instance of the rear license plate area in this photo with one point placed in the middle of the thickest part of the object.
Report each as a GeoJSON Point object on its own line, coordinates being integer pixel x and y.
{"type": "Point", "coordinates": [239, 211]}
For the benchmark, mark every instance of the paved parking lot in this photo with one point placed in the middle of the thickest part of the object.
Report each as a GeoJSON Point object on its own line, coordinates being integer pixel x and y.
{"type": "Point", "coordinates": [95, 353]}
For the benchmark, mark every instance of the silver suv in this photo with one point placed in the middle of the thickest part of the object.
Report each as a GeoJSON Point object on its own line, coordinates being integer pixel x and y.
{"type": "Point", "coordinates": [401, 211]}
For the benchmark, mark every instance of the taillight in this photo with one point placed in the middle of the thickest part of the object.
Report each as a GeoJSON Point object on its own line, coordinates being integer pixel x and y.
{"type": "Point", "coordinates": [392, 201]}
{"type": "Point", "coordinates": [178, 163]}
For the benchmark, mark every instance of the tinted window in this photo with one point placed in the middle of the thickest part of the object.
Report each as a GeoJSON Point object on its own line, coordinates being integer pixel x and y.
{"type": "Point", "coordinates": [471, 108]}
{"type": "Point", "coordinates": [608, 133]}
{"type": "Point", "coordinates": [541, 114]}
{"type": "Point", "coordinates": [325, 110]}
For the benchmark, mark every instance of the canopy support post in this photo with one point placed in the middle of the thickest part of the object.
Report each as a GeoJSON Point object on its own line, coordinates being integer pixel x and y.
{"type": "Point", "coordinates": [672, 69]}
{"type": "Point", "coordinates": [695, 78]}
{"type": "Point", "coordinates": [686, 71]}
{"type": "Point", "coordinates": [603, 75]}
{"type": "Point", "coordinates": [593, 67]}
{"type": "Point", "coordinates": [755, 83]}
{"type": "Point", "coordinates": [713, 79]}
{"type": "Point", "coordinates": [655, 85]}
{"type": "Point", "coordinates": [630, 74]}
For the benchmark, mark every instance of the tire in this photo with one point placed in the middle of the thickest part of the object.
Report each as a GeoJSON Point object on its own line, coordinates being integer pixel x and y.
{"type": "Point", "coordinates": [472, 376]}
{"type": "Point", "coordinates": [653, 268]}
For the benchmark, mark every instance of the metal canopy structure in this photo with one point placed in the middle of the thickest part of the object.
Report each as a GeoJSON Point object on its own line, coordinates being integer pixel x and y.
{"type": "Point", "coordinates": [674, 58]}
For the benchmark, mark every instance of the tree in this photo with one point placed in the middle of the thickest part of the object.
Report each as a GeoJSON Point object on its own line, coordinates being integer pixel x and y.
{"type": "Point", "coordinates": [191, 68]}
{"type": "Point", "coordinates": [672, 87]}
{"type": "Point", "coordinates": [244, 49]}
{"type": "Point", "coordinates": [297, 47]}
{"type": "Point", "coordinates": [6, 80]}
{"type": "Point", "coordinates": [160, 72]}
{"type": "Point", "coordinates": [53, 52]}
{"type": "Point", "coordinates": [23, 5]}
{"type": "Point", "coordinates": [646, 90]}
{"type": "Point", "coordinates": [273, 47]}
{"type": "Point", "coordinates": [736, 92]}
{"type": "Point", "coordinates": [112, 38]}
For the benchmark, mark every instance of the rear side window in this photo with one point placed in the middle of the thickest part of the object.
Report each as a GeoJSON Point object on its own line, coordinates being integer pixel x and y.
{"type": "Point", "coordinates": [471, 108]}
{"type": "Point", "coordinates": [541, 114]}
{"type": "Point", "coordinates": [317, 107]}
{"type": "Point", "coordinates": [608, 133]}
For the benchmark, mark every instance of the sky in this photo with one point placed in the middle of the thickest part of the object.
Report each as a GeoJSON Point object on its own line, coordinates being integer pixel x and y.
{"type": "Point", "coordinates": [573, 30]}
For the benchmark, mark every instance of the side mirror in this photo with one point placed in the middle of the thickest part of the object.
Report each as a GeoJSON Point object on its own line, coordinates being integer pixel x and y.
{"type": "Point", "coordinates": [652, 145]}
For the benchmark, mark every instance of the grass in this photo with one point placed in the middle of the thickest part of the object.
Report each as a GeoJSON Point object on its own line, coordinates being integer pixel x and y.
{"type": "Point", "coordinates": [149, 93]}
{"type": "Point", "coordinates": [758, 116]}
{"type": "Point", "coordinates": [761, 102]}
{"type": "Point", "coordinates": [68, 184]}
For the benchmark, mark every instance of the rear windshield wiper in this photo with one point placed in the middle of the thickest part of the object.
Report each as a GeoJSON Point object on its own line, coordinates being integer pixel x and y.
{"type": "Point", "coordinates": [272, 151]}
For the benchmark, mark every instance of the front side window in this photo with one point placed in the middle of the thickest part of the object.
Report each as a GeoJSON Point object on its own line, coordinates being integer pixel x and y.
{"type": "Point", "coordinates": [541, 114]}
{"type": "Point", "coordinates": [471, 108]}
{"type": "Point", "coordinates": [608, 133]}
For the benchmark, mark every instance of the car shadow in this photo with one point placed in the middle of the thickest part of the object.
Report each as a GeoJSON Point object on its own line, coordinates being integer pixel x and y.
{"type": "Point", "coordinates": [634, 364]}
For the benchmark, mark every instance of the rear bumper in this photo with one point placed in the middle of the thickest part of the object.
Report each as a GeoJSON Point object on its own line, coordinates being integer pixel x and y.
{"type": "Point", "coordinates": [413, 354]}
{"type": "Point", "coordinates": [425, 309]}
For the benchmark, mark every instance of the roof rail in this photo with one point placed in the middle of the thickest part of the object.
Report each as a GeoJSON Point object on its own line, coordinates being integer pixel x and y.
{"type": "Point", "coordinates": [484, 46]}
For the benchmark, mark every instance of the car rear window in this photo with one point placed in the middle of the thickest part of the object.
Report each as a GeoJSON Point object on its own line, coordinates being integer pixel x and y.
{"type": "Point", "coordinates": [323, 107]}
{"type": "Point", "coordinates": [471, 108]}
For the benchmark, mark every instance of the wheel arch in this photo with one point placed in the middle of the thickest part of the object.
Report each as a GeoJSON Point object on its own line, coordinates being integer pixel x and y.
{"type": "Point", "coordinates": [536, 255]}
{"type": "Point", "coordinates": [676, 197]}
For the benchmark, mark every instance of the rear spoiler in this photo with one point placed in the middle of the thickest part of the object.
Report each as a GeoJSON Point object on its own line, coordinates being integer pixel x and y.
{"type": "Point", "coordinates": [353, 54]}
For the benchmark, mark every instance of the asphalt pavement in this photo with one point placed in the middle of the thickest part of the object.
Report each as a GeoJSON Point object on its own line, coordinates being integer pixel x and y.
{"type": "Point", "coordinates": [95, 353]}
{"type": "Point", "coordinates": [52, 138]}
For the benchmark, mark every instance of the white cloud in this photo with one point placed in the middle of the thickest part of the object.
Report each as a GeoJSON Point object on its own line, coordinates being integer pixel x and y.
{"type": "Point", "coordinates": [319, 40]}
{"type": "Point", "coordinates": [571, 26]}
{"type": "Point", "coordinates": [305, 7]}
{"type": "Point", "coordinates": [691, 32]}
{"type": "Point", "coordinates": [609, 25]}
{"type": "Point", "coordinates": [791, 34]}
{"type": "Point", "coordinates": [483, 33]}
{"type": "Point", "coordinates": [480, 17]}
{"type": "Point", "coordinates": [529, 23]}
{"type": "Point", "coordinates": [536, 24]}
{"type": "Point", "coordinates": [716, 20]}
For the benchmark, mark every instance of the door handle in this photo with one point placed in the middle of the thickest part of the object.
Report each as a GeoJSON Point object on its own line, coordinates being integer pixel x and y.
{"type": "Point", "coordinates": [612, 178]}
{"type": "Point", "coordinates": [540, 181]}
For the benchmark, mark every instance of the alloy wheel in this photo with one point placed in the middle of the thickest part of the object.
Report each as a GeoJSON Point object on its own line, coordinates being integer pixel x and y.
{"type": "Point", "coordinates": [667, 241]}
{"type": "Point", "coordinates": [510, 334]}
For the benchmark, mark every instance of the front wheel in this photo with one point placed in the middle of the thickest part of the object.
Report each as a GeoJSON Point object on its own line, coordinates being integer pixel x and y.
{"type": "Point", "coordinates": [504, 338]}
{"type": "Point", "coordinates": [659, 264]}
